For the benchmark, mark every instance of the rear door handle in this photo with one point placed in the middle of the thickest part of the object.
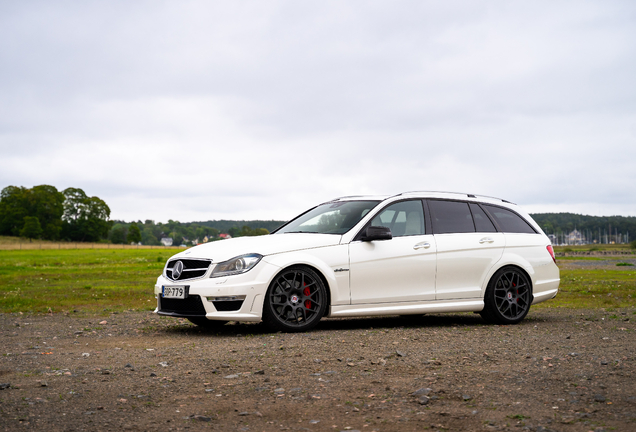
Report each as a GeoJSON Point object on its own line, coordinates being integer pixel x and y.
{"type": "Point", "coordinates": [486, 240]}
{"type": "Point", "coordinates": [423, 245]}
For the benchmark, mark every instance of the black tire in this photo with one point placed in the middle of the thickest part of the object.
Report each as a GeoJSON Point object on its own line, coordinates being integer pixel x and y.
{"type": "Point", "coordinates": [206, 323]}
{"type": "Point", "coordinates": [296, 300]}
{"type": "Point", "coordinates": [508, 297]}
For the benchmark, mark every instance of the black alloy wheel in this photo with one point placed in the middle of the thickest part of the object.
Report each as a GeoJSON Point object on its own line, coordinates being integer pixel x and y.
{"type": "Point", "coordinates": [508, 297]}
{"type": "Point", "coordinates": [295, 300]}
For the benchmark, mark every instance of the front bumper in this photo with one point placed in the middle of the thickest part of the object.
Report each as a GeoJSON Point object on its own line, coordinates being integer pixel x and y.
{"type": "Point", "coordinates": [203, 295]}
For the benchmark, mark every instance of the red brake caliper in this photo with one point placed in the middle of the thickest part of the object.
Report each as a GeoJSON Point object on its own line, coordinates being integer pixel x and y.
{"type": "Point", "coordinates": [307, 293]}
{"type": "Point", "coordinates": [514, 285]}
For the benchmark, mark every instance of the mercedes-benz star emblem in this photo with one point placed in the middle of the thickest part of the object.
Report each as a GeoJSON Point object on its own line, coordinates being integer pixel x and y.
{"type": "Point", "coordinates": [177, 269]}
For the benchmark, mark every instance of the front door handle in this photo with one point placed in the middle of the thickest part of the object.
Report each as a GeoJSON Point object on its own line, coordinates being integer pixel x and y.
{"type": "Point", "coordinates": [486, 240]}
{"type": "Point", "coordinates": [423, 245]}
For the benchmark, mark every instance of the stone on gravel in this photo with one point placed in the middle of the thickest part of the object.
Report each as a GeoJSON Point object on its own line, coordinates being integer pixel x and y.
{"type": "Point", "coordinates": [128, 365]}
{"type": "Point", "coordinates": [200, 418]}
{"type": "Point", "coordinates": [422, 391]}
{"type": "Point", "coordinates": [259, 372]}
{"type": "Point", "coordinates": [466, 397]}
{"type": "Point", "coordinates": [164, 364]}
{"type": "Point", "coordinates": [400, 353]}
{"type": "Point", "coordinates": [423, 400]}
{"type": "Point", "coordinates": [599, 398]}
{"type": "Point", "coordinates": [231, 376]}
{"type": "Point", "coordinates": [4, 386]}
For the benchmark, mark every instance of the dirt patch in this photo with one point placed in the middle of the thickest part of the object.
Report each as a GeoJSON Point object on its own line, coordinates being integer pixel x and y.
{"type": "Point", "coordinates": [561, 370]}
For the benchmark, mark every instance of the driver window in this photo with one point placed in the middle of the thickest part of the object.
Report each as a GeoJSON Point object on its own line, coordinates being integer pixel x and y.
{"type": "Point", "coordinates": [405, 218]}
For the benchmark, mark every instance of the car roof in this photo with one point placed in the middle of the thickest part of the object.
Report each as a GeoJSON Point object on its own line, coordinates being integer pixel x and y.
{"type": "Point", "coordinates": [426, 194]}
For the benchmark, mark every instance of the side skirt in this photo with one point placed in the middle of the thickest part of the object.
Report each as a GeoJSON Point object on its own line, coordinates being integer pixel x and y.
{"type": "Point", "coordinates": [410, 308]}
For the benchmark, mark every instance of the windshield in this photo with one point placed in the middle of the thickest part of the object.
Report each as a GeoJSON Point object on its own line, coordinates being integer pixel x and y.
{"type": "Point", "coordinates": [330, 218]}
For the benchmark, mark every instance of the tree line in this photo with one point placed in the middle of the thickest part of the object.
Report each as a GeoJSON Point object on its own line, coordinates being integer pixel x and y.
{"type": "Point", "coordinates": [596, 227]}
{"type": "Point", "coordinates": [44, 212]}
{"type": "Point", "coordinates": [188, 233]}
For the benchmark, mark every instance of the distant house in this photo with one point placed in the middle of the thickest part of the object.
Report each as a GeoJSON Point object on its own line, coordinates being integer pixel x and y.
{"type": "Point", "coordinates": [166, 241]}
{"type": "Point", "coordinates": [575, 238]}
{"type": "Point", "coordinates": [225, 236]}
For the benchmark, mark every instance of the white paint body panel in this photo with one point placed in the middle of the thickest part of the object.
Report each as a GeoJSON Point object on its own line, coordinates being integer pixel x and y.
{"type": "Point", "coordinates": [392, 270]}
{"type": "Point", "coordinates": [464, 262]}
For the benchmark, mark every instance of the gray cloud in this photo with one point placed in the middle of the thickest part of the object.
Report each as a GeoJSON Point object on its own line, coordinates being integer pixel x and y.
{"type": "Point", "coordinates": [198, 110]}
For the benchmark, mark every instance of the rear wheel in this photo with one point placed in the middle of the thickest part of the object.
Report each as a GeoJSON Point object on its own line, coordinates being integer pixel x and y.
{"type": "Point", "coordinates": [295, 301]}
{"type": "Point", "coordinates": [206, 323]}
{"type": "Point", "coordinates": [508, 297]}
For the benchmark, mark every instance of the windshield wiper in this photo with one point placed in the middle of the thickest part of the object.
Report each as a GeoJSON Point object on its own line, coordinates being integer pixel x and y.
{"type": "Point", "coordinates": [301, 232]}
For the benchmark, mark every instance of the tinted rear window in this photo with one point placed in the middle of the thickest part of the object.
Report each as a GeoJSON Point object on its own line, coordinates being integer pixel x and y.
{"type": "Point", "coordinates": [509, 221]}
{"type": "Point", "coordinates": [482, 222]}
{"type": "Point", "coordinates": [451, 217]}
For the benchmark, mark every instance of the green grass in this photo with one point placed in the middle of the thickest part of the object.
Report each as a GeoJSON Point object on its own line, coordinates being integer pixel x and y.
{"type": "Point", "coordinates": [91, 280]}
{"type": "Point", "coordinates": [595, 288]}
{"type": "Point", "coordinates": [88, 280]}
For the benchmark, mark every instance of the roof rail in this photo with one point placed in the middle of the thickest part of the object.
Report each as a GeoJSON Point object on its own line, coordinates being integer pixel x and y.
{"type": "Point", "coordinates": [469, 195]}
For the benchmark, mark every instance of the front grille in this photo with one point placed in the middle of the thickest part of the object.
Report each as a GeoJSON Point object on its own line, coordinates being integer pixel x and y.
{"type": "Point", "coordinates": [192, 269]}
{"type": "Point", "coordinates": [191, 306]}
{"type": "Point", "coordinates": [228, 306]}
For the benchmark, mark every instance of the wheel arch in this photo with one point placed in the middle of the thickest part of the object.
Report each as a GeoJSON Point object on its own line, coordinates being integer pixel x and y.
{"type": "Point", "coordinates": [525, 268]}
{"type": "Point", "coordinates": [314, 269]}
{"type": "Point", "coordinates": [322, 269]}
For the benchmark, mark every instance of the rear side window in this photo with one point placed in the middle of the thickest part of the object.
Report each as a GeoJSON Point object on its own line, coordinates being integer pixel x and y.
{"type": "Point", "coordinates": [509, 221]}
{"type": "Point", "coordinates": [482, 222]}
{"type": "Point", "coordinates": [451, 217]}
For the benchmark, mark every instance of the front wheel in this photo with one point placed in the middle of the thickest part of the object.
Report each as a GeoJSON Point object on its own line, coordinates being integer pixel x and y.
{"type": "Point", "coordinates": [508, 297]}
{"type": "Point", "coordinates": [295, 300]}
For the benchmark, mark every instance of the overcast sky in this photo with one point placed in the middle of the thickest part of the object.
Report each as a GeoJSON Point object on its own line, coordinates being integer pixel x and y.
{"type": "Point", "coordinates": [198, 110]}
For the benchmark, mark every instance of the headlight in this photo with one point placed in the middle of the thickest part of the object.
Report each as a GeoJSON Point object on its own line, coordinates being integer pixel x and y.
{"type": "Point", "coordinates": [237, 265]}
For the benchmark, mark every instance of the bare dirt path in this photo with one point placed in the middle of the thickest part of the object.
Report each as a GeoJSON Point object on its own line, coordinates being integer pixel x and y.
{"type": "Point", "coordinates": [561, 370]}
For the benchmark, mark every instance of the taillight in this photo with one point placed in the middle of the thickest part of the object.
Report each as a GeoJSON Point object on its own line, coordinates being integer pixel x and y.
{"type": "Point", "coordinates": [551, 252]}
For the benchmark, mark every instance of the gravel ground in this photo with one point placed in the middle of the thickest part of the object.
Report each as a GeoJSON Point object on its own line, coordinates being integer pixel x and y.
{"type": "Point", "coordinates": [560, 370]}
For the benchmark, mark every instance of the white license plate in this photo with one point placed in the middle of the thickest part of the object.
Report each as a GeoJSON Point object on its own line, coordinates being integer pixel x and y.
{"type": "Point", "coordinates": [175, 292]}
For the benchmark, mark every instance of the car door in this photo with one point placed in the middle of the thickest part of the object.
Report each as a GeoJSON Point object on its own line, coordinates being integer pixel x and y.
{"type": "Point", "coordinates": [397, 270]}
{"type": "Point", "coordinates": [468, 246]}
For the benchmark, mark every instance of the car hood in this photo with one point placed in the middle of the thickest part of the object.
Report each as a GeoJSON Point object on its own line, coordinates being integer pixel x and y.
{"type": "Point", "coordinates": [223, 250]}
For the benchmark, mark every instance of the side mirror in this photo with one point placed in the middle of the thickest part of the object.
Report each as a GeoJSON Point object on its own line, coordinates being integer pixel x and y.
{"type": "Point", "coordinates": [377, 233]}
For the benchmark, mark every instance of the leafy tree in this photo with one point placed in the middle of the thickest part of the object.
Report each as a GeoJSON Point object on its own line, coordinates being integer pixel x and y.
{"type": "Point", "coordinates": [118, 234]}
{"type": "Point", "coordinates": [47, 204]}
{"type": "Point", "coordinates": [44, 202]}
{"type": "Point", "coordinates": [32, 228]}
{"type": "Point", "coordinates": [13, 209]}
{"type": "Point", "coordinates": [85, 218]}
{"type": "Point", "coordinates": [134, 233]}
{"type": "Point", "coordinates": [148, 238]}
{"type": "Point", "coordinates": [246, 231]}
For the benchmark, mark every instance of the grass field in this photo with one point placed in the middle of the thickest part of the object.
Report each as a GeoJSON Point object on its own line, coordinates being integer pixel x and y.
{"type": "Point", "coordinates": [89, 280]}
{"type": "Point", "coordinates": [103, 280]}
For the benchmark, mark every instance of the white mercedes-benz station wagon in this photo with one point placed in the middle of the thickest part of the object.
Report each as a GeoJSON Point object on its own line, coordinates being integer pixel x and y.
{"type": "Point", "coordinates": [411, 253]}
